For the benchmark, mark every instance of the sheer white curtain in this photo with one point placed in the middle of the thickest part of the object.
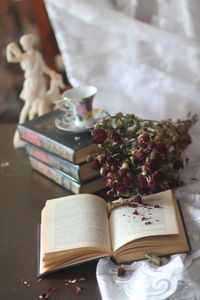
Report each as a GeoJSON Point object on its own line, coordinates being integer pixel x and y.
{"type": "Point", "coordinates": [143, 56]}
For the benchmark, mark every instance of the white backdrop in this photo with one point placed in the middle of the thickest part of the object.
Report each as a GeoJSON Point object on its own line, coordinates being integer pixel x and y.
{"type": "Point", "coordinates": [143, 56]}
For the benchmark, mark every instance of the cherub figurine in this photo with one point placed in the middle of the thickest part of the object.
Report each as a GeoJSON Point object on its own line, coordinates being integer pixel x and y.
{"type": "Point", "coordinates": [35, 91]}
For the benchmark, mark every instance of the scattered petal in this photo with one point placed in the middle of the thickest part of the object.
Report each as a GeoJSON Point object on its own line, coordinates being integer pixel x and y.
{"type": "Point", "coordinates": [52, 289]}
{"type": "Point", "coordinates": [121, 272]}
{"type": "Point", "coordinates": [45, 296]}
{"type": "Point", "coordinates": [78, 290]}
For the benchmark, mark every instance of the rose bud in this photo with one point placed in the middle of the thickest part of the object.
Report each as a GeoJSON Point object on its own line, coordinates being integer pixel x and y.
{"type": "Point", "coordinates": [98, 136]}
{"type": "Point", "coordinates": [136, 199]}
{"type": "Point", "coordinates": [104, 171]}
{"type": "Point", "coordinates": [152, 184]}
{"type": "Point", "coordinates": [159, 175]}
{"type": "Point", "coordinates": [156, 155]}
{"type": "Point", "coordinates": [95, 165]}
{"type": "Point", "coordinates": [143, 140]}
{"type": "Point", "coordinates": [122, 172]}
{"type": "Point", "coordinates": [126, 180]}
{"type": "Point", "coordinates": [153, 165]}
{"type": "Point", "coordinates": [178, 164]}
{"type": "Point", "coordinates": [139, 154]}
{"type": "Point", "coordinates": [121, 188]}
{"type": "Point", "coordinates": [121, 272]}
{"type": "Point", "coordinates": [162, 148]}
{"type": "Point", "coordinates": [142, 180]}
{"type": "Point", "coordinates": [151, 145]}
{"type": "Point", "coordinates": [115, 137]}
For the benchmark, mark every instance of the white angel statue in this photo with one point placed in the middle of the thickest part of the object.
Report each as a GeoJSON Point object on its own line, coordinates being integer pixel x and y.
{"type": "Point", "coordinates": [35, 91]}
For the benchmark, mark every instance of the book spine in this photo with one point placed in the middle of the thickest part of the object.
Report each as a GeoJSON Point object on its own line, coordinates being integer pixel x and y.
{"type": "Point", "coordinates": [43, 142]}
{"type": "Point", "coordinates": [55, 175]}
{"type": "Point", "coordinates": [54, 161]}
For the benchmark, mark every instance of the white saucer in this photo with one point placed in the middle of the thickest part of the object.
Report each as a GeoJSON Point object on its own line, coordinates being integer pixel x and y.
{"type": "Point", "coordinates": [65, 121]}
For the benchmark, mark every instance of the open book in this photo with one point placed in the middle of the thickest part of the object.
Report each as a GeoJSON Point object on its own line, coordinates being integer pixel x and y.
{"type": "Point", "coordinates": [77, 228]}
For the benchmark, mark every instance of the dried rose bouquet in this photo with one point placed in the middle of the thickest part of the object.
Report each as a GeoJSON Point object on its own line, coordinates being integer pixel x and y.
{"type": "Point", "coordinates": [140, 156]}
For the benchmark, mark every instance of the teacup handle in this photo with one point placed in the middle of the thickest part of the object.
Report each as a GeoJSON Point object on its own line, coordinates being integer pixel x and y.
{"type": "Point", "coordinates": [61, 104]}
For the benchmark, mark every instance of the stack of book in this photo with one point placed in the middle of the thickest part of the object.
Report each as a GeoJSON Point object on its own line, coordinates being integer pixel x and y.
{"type": "Point", "coordinates": [59, 155]}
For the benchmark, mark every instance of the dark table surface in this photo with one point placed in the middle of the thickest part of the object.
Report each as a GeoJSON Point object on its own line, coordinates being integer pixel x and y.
{"type": "Point", "coordinates": [23, 193]}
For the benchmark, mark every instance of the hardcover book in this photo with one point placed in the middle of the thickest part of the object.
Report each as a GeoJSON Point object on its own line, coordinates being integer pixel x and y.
{"type": "Point", "coordinates": [43, 133]}
{"type": "Point", "coordinates": [82, 172]}
{"type": "Point", "coordinates": [66, 181]}
{"type": "Point", "coordinates": [78, 228]}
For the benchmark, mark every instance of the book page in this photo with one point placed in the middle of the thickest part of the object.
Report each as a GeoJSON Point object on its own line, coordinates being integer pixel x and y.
{"type": "Point", "coordinates": [74, 222]}
{"type": "Point", "coordinates": [156, 216]}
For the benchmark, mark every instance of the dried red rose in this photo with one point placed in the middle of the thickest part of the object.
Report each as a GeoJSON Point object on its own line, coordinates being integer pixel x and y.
{"type": "Point", "coordinates": [153, 165]}
{"type": "Point", "coordinates": [152, 184]}
{"type": "Point", "coordinates": [122, 172]}
{"type": "Point", "coordinates": [99, 136]}
{"type": "Point", "coordinates": [143, 141]}
{"type": "Point", "coordinates": [142, 180]}
{"type": "Point", "coordinates": [115, 137]}
{"type": "Point", "coordinates": [162, 148]}
{"type": "Point", "coordinates": [121, 188]}
{"type": "Point", "coordinates": [159, 175]}
{"type": "Point", "coordinates": [121, 272]}
{"type": "Point", "coordinates": [126, 180]}
{"type": "Point", "coordinates": [139, 154]}
{"type": "Point", "coordinates": [95, 165]}
{"type": "Point", "coordinates": [178, 164]}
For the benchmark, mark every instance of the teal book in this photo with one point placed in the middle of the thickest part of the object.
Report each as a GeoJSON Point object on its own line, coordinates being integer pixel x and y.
{"type": "Point", "coordinates": [81, 172]}
{"type": "Point", "coordinates": [66, 181]}
{"type": "Point", "coordinates": [42, 132]}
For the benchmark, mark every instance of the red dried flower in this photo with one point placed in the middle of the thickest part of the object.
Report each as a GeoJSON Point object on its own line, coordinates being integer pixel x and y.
{"type": "Point", "coordinates": [142, 180]}
{"type": "Point", "coordinates": [152, 184]}
{"type": "Point", "coordinates": [95, 165]}
{"type": "Point", "coordinates": [121, 272]}
{"type": "Point", "coordinates": [104, 171]}
{"type": "Point", "coordinates": [98, 136]}
{"type": "Point", "coordinates": [121, 188]}
{"type": "Point", "coordinates": [159, 175]}
{"type": "Point", "coordinates": [115, 137]}
{"type": "Point", "coordinates": [139, 154]}
{"type": "Point", "coordinates": [178, 164]}
{"type": "Point", "coordinates": [153, 165]}
{"type": "Point", "coordinates": [162, 148]}
{"type": "Point", "coordinates": [126, 180]}
{"type": "Point", "coordinates": [122, 172]}
{"type": "Point", "coordinates": [143, 141]}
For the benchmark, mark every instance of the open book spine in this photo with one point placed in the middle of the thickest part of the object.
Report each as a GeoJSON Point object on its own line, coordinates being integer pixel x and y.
{"type": "Point", "coordinates": [65, 180]}
{"type": "Point", "coordinates": [45, 143]}
{"type": "Point", "coordinates": [81, 172]}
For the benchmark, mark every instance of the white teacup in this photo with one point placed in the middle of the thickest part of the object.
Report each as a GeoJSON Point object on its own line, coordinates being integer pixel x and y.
{"type": "Point", "coordinates": [79, 102]}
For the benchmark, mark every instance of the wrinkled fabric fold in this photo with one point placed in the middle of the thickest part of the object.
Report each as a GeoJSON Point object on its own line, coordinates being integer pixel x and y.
{"type": "Point", "coordinates": [143, 56]}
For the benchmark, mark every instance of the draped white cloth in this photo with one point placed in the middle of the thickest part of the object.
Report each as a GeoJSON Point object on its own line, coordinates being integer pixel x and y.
{"type": "Point", "coordinates": [143, 56]}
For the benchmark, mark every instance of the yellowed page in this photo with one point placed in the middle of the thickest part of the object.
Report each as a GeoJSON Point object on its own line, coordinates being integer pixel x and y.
{"type": "Point", "coordinates": [74, 222]}
{"type": "Point", "coordinates": [128, 223]}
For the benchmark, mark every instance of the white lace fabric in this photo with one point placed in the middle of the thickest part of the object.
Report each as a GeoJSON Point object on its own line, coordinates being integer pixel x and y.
{"type": "Point", "coordinates": [143, 56]}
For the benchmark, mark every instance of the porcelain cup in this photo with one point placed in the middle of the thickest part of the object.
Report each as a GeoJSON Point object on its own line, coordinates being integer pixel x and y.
{"type": "Point", "coordinates": [78, 102]}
